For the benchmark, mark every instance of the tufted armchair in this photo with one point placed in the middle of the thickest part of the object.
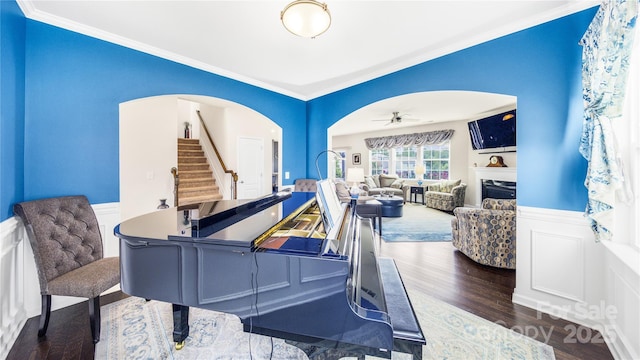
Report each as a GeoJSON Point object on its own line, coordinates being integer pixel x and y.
{"type": "Point", "coordinates": [67, 247]}
{"type": "Point", "coordinates": [487, 235]}
{"type": "Point", "coordinates": [445, 195]}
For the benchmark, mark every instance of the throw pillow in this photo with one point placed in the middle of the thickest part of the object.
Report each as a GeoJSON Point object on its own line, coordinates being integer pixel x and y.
{"type": "Point", "coordinates": [342, 190]}
{"type": "Point", "coordinates": [397, 184]}
{"type": "Point", "coordinates": [387, 180]}
{"type": "Point", "coordinates": [448, 185]}
{"type": "Point", "coordinates": [368, 180]}
{"type": "Point", "coordinates": [376, 180]}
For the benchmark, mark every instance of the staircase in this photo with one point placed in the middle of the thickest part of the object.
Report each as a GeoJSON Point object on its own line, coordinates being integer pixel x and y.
{"type": "Point", "coordinates": [196, 178]}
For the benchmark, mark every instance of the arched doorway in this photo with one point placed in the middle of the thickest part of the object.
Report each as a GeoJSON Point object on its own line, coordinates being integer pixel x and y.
{"type": "Point", "coordinates": [150, 127]}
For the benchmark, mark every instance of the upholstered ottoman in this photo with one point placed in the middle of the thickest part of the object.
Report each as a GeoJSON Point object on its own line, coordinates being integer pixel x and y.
{"type": "Point", "coordinates": [391, 205]}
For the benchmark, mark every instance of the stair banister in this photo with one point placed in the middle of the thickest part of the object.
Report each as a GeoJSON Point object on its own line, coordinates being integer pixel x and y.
{"type": "Point", "coordinates": [234, 175]}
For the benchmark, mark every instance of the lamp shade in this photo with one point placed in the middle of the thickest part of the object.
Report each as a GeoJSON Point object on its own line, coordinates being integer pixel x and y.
{"type": "Point", "coordinates": [355, 175]}
{"type": "Point", "coordinates": [419, 170]}
{"type": "Point", "coordinates": [306, 18]}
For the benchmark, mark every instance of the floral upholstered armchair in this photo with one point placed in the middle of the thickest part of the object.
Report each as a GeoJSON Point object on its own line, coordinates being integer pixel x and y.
{"type": "Point", "coordinates": [446, 195]}
{"type": "Point", "coordinates": [487, 235]}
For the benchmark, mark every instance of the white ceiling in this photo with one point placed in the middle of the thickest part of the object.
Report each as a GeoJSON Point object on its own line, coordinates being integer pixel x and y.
{"type": "Point", "coordinates": [246, 41]}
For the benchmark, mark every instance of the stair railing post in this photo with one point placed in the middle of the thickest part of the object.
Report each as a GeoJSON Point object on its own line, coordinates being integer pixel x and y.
{"type": "Point", "coordinates": [234, 176]}
{"type": "Point", "coordinates": [176, 183]}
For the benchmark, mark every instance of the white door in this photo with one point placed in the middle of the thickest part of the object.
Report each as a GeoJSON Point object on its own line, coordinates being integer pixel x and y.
{"type": "Point", "coordinates": [250, 167]}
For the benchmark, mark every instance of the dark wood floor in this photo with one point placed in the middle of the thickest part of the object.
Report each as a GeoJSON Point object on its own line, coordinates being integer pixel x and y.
{"type": "Point", "coordinates": [436, 269]}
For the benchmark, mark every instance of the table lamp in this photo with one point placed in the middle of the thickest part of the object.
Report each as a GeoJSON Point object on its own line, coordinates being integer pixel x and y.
{"type": "Point", "coordinates": [356, 176]}
{"type": "Point", "coordinates": [419, 170]}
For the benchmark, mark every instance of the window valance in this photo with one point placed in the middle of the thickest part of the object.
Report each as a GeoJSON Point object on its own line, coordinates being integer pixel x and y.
{"type": "Point", "coordinates": [416, 139]}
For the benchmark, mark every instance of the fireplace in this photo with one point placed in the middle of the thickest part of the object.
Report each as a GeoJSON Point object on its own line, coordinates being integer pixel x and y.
{"type": "Point", "coordinates": [498, 189]}
{"type": "Point", "coordinates": [504, 177]}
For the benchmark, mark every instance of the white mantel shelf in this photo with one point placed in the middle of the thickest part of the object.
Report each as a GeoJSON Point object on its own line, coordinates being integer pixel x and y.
{"type": "Point", "coordinates": [492, 173]}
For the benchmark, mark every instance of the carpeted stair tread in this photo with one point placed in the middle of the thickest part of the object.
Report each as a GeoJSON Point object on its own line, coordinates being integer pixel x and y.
{"type": "Point", "coordinates": [189, 169]}
{"type": "Point", "coordinates": [190, 153]}
{"type": "Point", "coordinates": [197, 183]}
{"type": "Point", "coordinates": [199, 199]}
{"type": "Point", "coordinates": [191, 160]}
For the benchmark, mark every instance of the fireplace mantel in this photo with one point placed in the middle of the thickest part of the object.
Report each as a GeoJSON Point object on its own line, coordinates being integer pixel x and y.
{"type": "Point", "coordinates": [491, 173]}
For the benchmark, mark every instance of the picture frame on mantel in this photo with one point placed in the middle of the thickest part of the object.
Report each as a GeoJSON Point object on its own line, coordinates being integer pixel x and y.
{"type": "Point", "coordinates": [355, 159]}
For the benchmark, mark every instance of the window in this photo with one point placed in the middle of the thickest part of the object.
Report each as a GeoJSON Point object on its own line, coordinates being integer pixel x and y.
{"type": "Point", "coordinates": [379, 161]}
{"type": "Point", "coordinates": [340, 167]}
{"type": "Point", "coordinates": [435, 159]}
{"type": "Point", "coordinates": [405, 161]}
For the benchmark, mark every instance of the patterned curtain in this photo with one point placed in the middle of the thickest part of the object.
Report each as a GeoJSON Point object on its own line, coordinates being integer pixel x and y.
{"type": "Point", "coordinates": [417, 139]}
{"type": "Point", "coordinates": [606, 51]}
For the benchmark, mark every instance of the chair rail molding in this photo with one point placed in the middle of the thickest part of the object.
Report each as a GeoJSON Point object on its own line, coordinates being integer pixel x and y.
{"type": "Point", "coordinates": [563, 272]}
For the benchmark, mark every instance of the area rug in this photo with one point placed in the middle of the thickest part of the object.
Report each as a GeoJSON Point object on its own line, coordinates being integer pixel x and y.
{"type": "Point", "coordinates": [418, 223]}
{"type": "Point", "coordinates": [135, 329]}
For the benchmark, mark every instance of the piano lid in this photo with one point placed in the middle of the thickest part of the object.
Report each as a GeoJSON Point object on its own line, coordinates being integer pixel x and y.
{"type": "Point", "coordinates": [214, 216]}
{"type": "Point", "coordinates": [246, 220]}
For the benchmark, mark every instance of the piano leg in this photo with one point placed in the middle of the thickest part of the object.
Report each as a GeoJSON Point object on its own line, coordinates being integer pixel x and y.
{"type": "Point", "coordinates": [180, 325]}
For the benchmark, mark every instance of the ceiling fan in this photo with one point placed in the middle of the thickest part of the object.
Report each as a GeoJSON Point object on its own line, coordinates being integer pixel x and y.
{"type": "Point", "coordinates": [396, 118]}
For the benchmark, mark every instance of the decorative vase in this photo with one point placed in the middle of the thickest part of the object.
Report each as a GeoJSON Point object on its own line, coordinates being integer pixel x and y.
{"type": "Point", "coordinates": [187, 131]}
{"type": "Point", "coordinates": [163, 204]}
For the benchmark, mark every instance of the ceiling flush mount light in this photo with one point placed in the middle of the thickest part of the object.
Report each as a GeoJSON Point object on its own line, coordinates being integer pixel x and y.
{"type": "Point", "coordinates": [306, 18]}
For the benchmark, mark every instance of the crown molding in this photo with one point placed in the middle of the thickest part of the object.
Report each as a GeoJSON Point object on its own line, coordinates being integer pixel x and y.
{"type": "Point", "coordinates": [31, 12]}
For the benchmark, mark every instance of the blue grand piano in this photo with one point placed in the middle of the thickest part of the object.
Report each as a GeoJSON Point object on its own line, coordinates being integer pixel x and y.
{"type": "Point", "coordinates": [298, 266]}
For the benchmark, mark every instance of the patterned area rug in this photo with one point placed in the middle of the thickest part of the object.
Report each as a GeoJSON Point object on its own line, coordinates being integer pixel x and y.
{"type": "Point", "coordinates": [418, 223]}
{"type": "Point", "coordinates": [135, 329]}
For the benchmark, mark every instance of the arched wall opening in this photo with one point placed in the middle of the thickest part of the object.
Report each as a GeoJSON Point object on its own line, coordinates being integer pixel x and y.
{"type": "Point", "coordinates": [426, 111]}
{"type": "Point", "coordinates": [148, 133]}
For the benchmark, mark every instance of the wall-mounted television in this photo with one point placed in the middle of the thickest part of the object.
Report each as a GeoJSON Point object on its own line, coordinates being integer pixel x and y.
{"type": "Point", "coordinates": [497, 132]}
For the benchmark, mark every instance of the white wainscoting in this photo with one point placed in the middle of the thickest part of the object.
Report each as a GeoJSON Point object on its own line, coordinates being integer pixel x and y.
{"type": "Point", "coordinates": [19, 286]}
{"type": "Point", "coordinates": [623, 294]}
{"type": "Point", "coordinates": [12, 309]}
{"type": "Point", "coordinates": [563, 272]}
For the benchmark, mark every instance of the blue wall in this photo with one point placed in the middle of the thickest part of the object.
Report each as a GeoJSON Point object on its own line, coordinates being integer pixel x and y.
{"type": "Point", "coordinates": [541, 66]}
{"type": "Point", "coordinates": [73, 84]}
{"type": "Point", "coordinates": [12, 78]}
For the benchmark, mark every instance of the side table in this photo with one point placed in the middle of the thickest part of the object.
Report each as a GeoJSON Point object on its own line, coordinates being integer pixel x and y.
{"type": "Point", "coordinates": [415, 191]}
{"type": "Point", "coordinates": [371, 209]}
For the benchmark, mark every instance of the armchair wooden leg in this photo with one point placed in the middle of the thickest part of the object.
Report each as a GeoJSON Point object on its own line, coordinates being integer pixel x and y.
{"type": "Point", "coordinates": [44, 315]}
{"type": "Point", "coordinates": [94, 318]}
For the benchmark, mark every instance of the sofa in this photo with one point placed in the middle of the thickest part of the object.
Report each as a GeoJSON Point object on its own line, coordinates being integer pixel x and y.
{"type": "Point", "coordinates": [487, 235]}
{"type": "Point", "coordinates": [389, 184]}
{"type": "Point", "coordinates": [445, 195]}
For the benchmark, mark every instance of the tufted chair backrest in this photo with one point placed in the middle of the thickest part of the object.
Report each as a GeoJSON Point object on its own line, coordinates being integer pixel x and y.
{"type": "Point", "coordinates": [306, 185]}
{"type": "Point", "coordinates": [63, 233]}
